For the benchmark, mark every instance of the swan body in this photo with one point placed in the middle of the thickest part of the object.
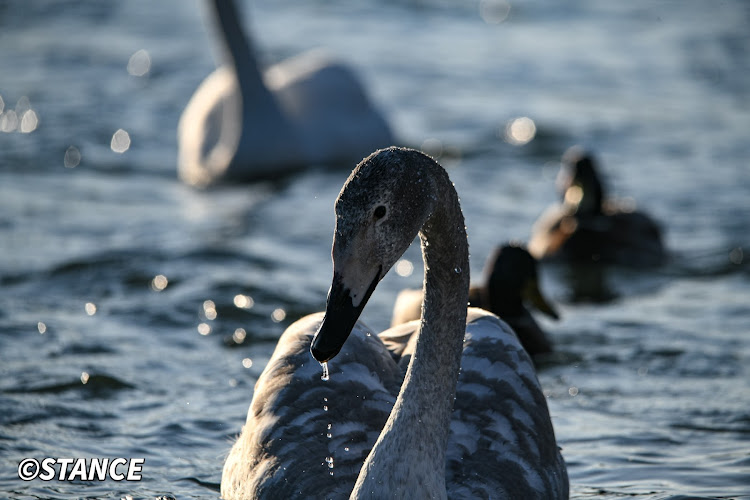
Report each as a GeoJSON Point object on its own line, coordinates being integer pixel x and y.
{"type": "Point", "coordinates": [588, 227]}
{"type": "Point", "coordinates": [469, 419]}
{"type": "Point", "coordinates": [510, 280]}
{"type": "Point", "coordinates": [243, 124]}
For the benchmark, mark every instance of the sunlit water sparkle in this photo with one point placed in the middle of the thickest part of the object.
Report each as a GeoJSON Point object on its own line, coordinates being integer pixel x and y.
{"type": "Point", "coordinates": [136, 314]}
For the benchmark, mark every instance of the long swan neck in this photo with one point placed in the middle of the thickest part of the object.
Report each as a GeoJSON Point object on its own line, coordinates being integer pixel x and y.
{"type": "Point", "coordinates": [437, 356]}
{"type": "Point", "coordinates": [238, 47]}
{"type": "Point", "coordinates": [417, 430]}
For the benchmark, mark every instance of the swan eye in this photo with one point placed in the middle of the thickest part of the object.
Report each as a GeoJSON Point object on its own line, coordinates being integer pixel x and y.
{"type": "Point", "coordinates": [379, 212]}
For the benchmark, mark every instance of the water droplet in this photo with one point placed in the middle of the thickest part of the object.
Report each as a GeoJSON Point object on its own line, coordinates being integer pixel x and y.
{"type": "Point", "coordinates": [325, 408]}
{"type": "Point", "coordinates": [457, 270]}
{"type": "Point", "coordinates": [325, 377]}
{"type": "Point", "coordinates": [346, 448]}
{"type": "Point", "coordinates": [329, 461]}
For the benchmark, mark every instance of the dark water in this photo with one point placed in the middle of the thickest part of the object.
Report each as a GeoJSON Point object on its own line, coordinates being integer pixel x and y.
{"type": "Point", "coordinates": [650, 392]}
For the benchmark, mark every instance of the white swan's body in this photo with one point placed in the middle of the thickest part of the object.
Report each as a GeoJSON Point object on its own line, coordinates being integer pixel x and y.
{"type": "Point", "coordinates": [243, 124]}
{"type": "Point", "coordinates": [398, 440]}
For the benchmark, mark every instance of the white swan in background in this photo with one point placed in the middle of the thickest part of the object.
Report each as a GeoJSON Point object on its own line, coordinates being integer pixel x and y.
{"type": "Point", "coordinates": [362, 435]}
{"type": "Point", "coordinates": [243, 124]}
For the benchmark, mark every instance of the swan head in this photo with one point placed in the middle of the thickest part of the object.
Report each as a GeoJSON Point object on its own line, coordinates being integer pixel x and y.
{"type": "Point", "coordinates": [381, 208]}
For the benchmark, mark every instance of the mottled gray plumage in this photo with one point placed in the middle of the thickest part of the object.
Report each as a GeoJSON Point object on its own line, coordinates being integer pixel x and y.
{"type": "Point", "coordinates": [497, 440]}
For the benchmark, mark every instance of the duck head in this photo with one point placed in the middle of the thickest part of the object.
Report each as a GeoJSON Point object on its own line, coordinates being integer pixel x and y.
{"type": "Point", "coordinates": [512, 278]}
{"type": "Point", "coordinates": [578, 182]}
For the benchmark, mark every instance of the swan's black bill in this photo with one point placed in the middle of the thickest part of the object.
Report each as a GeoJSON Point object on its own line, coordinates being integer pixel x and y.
{"type": "Point", "coordinates": [339, 320]}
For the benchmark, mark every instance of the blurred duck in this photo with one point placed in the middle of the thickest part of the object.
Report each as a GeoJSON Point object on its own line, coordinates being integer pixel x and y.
{"type": "Point", "coordinates": [510, 280]}
{"type": "Point", "coordinates": [587, 227]}
{"type": "Point", "coordinates": [244, 125]}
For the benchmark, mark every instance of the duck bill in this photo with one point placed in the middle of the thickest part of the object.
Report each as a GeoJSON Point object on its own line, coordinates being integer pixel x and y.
{"type": "Point", "coordinates": [340, 317]}
{"type": "Point", "coordinates": [533, 295]}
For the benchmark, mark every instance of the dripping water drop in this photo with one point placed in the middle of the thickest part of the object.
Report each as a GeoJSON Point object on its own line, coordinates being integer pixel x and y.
{"type": "Point", "coordinates": [325, 375]}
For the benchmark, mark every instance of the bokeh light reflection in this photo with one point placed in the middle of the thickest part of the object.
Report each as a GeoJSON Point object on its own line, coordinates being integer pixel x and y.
{"type": "Point", "coordinates": [90, 308]}
{"type": "Point", "coordinates": [278, 315]}
{"type": "Point", "coordinates": [29, 121]}
{"type": "Point", "coordinates": [520, 131]}
{"type": "Point", "coordinates": [243, 301]}
{"type": "Point", "coordinates": [209, 309]}
{"type": "Point", "coordinates": [120, 141]}
{"type": "Point", "coordinates": [239, 335]}
{"type": "Point", "coordinates": [159, 283]}
{"type": "Point", "coordinates": [22, 119]}
{"type": "Point", "coordinates": [139, 63]}
{"type": "Point", "coordinates": [8, 121]}
{"type": "Point", "coordinates": [204, 329]}
{"type": "Point", "coordinates": [404, 268]}
{"type": "Point", "coordinates": [41, 327]}
{"type": "Point", "coordinates": [573, 195]}
{"type": "Point", "coordinates": [494, 11]}
{"type": "Point", "coordinates": [736, 256]}
{"type": "Point", "coordinates": [72, 157]}
{"type": "Point", "coordinates": [432, 147]}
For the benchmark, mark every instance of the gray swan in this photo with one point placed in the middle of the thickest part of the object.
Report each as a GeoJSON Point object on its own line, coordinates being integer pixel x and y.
{"type": "Point", "coordinates": [511, 281]}
{"type": "Point", "coordinates": [242, 124]}
{"type": "Point", "coordinates": [469, 420]}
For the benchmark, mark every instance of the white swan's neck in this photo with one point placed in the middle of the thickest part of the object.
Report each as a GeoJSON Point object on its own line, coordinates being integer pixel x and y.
{"type": "Point", "coordinates": [409, 458]}
{"type": "Point", "coordinates": [239, 51]}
